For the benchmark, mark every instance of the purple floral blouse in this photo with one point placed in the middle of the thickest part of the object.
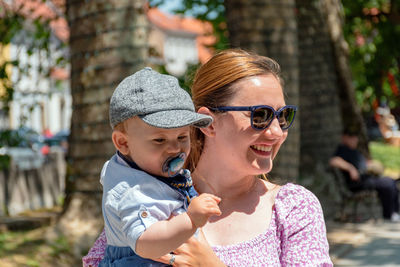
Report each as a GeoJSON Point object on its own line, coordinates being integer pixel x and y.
{"type": "Point", "coordinates": [295, 237]}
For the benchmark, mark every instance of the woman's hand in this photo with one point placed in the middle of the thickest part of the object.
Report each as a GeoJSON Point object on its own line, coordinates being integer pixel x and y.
{"type": "Point", "coordinates": [193, 253]}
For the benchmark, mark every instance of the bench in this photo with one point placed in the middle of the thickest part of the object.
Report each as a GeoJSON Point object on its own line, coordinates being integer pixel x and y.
{"type": "Point", "coordinates": [348, 198]}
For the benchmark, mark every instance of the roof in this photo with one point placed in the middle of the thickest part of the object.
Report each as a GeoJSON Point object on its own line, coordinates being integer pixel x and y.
{"type": "Point", "coordinates": [178, 24]}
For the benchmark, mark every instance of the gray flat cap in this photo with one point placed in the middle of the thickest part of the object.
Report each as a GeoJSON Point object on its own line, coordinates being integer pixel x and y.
{"type": "Point", "coordinates": [157, 99]}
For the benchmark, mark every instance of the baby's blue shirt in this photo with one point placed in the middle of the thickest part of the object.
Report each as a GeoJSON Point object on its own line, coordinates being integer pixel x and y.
{"type": "Point", "coordinates": [133, 200]}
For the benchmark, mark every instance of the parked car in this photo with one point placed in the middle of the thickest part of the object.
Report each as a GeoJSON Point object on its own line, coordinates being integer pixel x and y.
{"type": "Point", "coordinates": [60, 139]}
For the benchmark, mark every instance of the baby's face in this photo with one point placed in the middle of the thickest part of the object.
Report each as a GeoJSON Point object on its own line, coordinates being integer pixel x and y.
{"type": "Point", "coordinates": [150, 147]}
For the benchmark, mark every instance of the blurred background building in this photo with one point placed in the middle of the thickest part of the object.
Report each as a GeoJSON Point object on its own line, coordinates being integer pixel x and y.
{"type": "Point", "coordinates": [42, 98]}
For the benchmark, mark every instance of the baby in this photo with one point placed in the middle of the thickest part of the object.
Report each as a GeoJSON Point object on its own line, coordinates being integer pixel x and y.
{"type": "Point", "coordinates": [149, 204]}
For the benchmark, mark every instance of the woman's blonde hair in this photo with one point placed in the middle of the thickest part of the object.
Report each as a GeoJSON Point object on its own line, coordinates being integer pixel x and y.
{"type": "Point", "coordinates": [212, 85]}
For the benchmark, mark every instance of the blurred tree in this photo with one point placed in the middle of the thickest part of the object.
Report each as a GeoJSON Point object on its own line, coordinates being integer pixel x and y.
{"type": "Point", "coordinates": [320, 109]}
{"type": "Point", "coordinates": [270, 28]}
{"type": "Point", "coordinates": [306, 38]}
{"type": "Point", "coordinates": [267, 28]}
{"type": "Point", "coordinates": [108, 42]}
{"type": "Point", "coordinates": [372, 30]}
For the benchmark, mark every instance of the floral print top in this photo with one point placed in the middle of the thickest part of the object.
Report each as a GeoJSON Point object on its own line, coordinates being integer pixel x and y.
{"type": "Point", "coordinates": [295, 237]}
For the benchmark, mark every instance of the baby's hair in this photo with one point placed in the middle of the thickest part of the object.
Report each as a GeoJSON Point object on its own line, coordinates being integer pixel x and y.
{"type": "Point", "coordinates": [120, 127]}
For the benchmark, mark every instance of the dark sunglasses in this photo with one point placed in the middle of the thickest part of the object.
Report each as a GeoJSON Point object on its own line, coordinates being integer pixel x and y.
{"type": "Point", "coordinates": [263, 115]}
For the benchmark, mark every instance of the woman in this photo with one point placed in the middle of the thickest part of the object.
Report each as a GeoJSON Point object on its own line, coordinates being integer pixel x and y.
{"type": "Point", "coordinates": [262, 224]}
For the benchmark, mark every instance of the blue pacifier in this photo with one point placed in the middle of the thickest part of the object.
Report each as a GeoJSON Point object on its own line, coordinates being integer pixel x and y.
{"type": "Point", "coordinates": [174, 165]}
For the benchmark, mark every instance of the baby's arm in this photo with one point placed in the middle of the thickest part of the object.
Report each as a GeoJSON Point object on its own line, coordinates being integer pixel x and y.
{"type": "Point", "coordinates": [165, 236]}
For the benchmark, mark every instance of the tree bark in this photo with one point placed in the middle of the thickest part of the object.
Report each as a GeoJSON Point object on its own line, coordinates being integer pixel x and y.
{"type": "Point", "coordinates": [350, 111]}
{"type": "Point", "coordinates": [108, 42]}
{"type": "Point", "coordinates": [269, 28]}
{"type": "Point", "coordinates": [321, 122]}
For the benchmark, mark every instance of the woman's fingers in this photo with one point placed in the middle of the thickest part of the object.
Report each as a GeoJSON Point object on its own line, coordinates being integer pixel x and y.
{"type": "Point", "coordinates": [192, 253]}
{"type": "Point", "coordinates": [164, 259]}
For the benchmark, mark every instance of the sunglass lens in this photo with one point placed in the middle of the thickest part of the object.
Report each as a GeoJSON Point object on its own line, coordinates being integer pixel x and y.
{"type": "Point", "coordinates": [262, 117]}
{"type": "Point", "coordinates": [286, 117]}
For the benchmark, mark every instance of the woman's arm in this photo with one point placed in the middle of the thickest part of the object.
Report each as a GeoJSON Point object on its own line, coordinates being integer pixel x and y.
{"type": "Point", "coordinates": [194, 252]}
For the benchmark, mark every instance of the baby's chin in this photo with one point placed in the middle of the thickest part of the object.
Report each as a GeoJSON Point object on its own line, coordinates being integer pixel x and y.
{"type": "Point", "coordinates": [155, 173]}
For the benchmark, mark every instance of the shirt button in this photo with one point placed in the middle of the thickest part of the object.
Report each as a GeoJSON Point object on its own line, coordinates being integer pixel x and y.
{"type": "Point", "coordinates": [144, 214]}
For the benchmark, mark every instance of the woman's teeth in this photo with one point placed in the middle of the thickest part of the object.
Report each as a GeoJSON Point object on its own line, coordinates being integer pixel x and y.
{"type": "Point", "coordinates": [262, 148]}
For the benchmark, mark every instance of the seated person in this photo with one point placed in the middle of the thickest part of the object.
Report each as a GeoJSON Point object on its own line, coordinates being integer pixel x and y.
{"type": "Point", "coordinates": [388, 126]}
{"type": "Point", "coordinates": [355, 165]}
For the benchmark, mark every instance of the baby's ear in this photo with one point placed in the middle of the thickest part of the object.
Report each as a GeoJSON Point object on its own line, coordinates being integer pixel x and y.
{"type": "Point", "coordinates": [210, 129]}
{"type": "Point", "coordinates": [120, 141]}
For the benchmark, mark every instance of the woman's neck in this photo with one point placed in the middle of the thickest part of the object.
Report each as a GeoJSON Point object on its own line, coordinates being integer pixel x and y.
{"type": "Point", "coordinates": [222, 182]}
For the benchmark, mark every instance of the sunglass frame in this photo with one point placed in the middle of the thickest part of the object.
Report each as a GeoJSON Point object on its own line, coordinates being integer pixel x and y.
{"type": "Point", "coordinates": [276, 113]}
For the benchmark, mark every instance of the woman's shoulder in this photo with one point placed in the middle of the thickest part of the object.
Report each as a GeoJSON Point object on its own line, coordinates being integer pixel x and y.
{"type": "Point", "coordinates": [293, 196]}
{"type": "Point", "coordinates": [295, 191]}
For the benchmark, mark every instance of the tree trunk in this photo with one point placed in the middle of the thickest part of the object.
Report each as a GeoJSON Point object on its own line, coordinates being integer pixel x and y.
{"type": "Point", "coordinates": [350, 111]}
{"type": "Point", "coordinates": [320, 117]}
{"type": "Point", "coordinates": [108, 42]}
{"type": "Point", "coordinates": [269, 28]}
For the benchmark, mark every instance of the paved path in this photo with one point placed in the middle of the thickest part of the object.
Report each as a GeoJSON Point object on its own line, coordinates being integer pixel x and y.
{"type": "Point", "coordinates": [364, 244]}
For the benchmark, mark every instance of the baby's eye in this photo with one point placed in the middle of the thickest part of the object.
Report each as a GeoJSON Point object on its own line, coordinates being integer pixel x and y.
{"type": "Point", "coordinates": [158, 140]}
{"type": "Point", "coordinates": [183, 137]}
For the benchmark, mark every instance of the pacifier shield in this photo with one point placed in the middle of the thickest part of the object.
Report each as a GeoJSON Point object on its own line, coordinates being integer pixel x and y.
{"type": "Point", "coordinates": [173, 165]}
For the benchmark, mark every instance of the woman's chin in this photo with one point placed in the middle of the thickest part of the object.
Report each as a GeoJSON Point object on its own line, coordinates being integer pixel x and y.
{"type": "Point", "coordinates": [263, 166]}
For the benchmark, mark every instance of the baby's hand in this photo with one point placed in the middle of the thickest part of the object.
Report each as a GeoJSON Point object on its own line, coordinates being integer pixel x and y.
{"type": "Point", "coordinates": [203, 207]}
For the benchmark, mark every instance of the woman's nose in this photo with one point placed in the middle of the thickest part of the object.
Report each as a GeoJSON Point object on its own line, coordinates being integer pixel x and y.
{"type": "Point", "coordinates": [275, 128]}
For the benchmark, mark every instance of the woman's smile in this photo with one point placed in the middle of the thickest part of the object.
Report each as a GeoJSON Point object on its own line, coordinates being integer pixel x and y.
{"type": "Point", "coordinates": [262, 150]}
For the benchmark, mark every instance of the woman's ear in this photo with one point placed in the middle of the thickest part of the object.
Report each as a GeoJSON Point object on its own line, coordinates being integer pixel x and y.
{"type": "Point", "coordinates": [120, 141]}
{"type": "Point", "coordinates": [210, 129]}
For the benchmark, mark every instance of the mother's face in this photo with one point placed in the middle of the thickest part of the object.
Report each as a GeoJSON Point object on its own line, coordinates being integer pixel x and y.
{"type": "Point", "coordinates": [252, 150]}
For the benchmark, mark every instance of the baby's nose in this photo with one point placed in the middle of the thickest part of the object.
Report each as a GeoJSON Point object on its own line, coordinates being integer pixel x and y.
{"type": "Point", "coordinates": [173, 146]}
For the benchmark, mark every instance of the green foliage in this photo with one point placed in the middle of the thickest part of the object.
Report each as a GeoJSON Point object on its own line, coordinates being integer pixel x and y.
{"type": "Point", "coordinates": [372, 29]}
{"type": "Point", "coordinates": [5, 161]}
{"type": "Point", "coordinates": [10, 25]}
{"type": "Point", "coordinates": [8, 138]}
{"type": "Point", "coordinates": [59, 246]}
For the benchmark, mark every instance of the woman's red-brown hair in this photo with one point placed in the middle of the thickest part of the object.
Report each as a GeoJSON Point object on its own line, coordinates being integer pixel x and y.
{"type": "Point", "coordinates": [212, 85]}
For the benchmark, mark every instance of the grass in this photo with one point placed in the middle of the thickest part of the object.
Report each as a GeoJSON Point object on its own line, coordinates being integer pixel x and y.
{"type": "Point", "coordinates": [34, 248]}
{"type": "Point", "coordinates": [388, 155]}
